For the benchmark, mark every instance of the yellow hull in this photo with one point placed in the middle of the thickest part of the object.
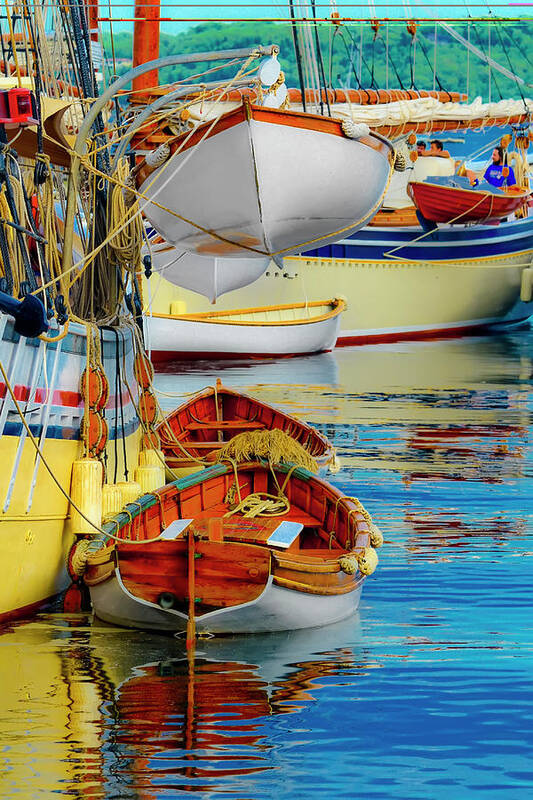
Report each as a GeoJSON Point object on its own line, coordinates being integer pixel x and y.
{"type": "Point", "coordinates": [35, 543]}
{"type": "Point", "coordinates": [386, 300]}
{"type": "Point", "coordinates": [35, 526]}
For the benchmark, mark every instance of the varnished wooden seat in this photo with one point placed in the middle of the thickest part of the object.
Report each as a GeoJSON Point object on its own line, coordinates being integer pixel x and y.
{"type": "Point", "coordinates": [224, 424]}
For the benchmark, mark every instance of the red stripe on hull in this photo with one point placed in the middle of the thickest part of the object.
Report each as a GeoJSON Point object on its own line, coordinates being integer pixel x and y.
{"type": "Point", "coordinates": [25, 612]}
{"type": "Point", "coordinates": [61, 397]}
{"type": "Point", "coordinates": [161, 356]}
{"type": "Point", "coordinates": [432, 333]}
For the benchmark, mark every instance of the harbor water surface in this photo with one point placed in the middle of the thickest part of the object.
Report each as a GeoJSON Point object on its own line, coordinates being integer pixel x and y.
{"type": "Point", "coordinates": [426, 693]}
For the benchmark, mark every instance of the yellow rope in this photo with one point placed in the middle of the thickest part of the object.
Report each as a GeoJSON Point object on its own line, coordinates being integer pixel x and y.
{"type": "Point", "coordinates": [126, 220]}
{"type": "Point", "coordinates": [261, 504]}
{"type": "Point", "coordinates": [275, 446]}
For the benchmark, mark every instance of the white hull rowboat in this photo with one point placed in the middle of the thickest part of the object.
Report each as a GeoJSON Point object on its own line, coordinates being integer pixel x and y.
{"type": "Point", "coordinates": [283, 330]}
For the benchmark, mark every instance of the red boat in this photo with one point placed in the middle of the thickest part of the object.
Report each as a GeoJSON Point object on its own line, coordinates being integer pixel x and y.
{"type": "Point", "coordinates": [206, 422]}
{"type": "Point", "coordinates": [458, 201]}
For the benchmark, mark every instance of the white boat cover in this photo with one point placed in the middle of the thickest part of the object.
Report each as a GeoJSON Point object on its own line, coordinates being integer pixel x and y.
{"type": "Point", "coordinates": [425, 109]}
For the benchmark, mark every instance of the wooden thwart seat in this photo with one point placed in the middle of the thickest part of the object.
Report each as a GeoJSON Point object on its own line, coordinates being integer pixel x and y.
{"type": "Point", "coordinates": [224, 424]}
{"type": "Point", "coordinates": [197, 445]}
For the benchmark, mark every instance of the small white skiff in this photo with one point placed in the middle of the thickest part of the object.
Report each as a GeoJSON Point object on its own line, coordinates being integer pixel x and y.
{"type": "Point", "coordinates": [263, 181]}
{"type": "Point", "coordinates": [282, 330]}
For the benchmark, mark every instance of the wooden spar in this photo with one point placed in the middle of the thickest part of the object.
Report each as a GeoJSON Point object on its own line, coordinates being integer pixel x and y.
{"type": "Point", "coordinates": [191, 627]}
{"type": "Point", "coordinates": [92, 16]}
{"type": "Point", "coordinates": [146, 42]}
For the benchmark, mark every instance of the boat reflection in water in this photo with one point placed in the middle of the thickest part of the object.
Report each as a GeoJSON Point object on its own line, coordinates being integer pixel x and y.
{"type": "Point", "coordinates": [126, 712]}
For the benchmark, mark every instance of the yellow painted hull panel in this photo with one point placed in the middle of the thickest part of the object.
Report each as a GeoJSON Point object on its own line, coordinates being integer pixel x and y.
{"type": "Point", "coordinates": [35, 544]}
{"type": "Point", "coordinates": [386, 299]}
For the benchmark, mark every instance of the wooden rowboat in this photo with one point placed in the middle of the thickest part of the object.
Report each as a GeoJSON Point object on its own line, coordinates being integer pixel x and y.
{"type": "Point", "coordinates": [207, 421]}
{"type": "Point", "coordinates": [282, 330]}
{"type": "Point", "coordinates": [455, 200]}
{"type": "Point", "coordinates": [303, 568]}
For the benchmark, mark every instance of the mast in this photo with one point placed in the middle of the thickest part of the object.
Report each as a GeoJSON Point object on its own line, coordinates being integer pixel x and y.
{"type": "Point", "coordinates": [146, 42]}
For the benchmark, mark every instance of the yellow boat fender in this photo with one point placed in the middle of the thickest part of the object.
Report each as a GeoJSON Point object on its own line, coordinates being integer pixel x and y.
{"type": "Point", "coordinates": [150, 477]}
{"type": "Point", "coordinates": [367, 561]}
{"type": "Point", "coordinates": [77, 559]}
{"type": "Point", "coordinates": [376, 537]}
{"type": "Point", "coordinates": [86, 494]}
{"type": "Point", "coordinates": [526, 285]}
{"type": "Point", "coordinates": [177, 308]}
{"type": "Point", "coordinates": [112, 501]}
{"type": "Point", "coordinates": [130, 491]}
{"type": "Point", "coordinates": [152, 456]}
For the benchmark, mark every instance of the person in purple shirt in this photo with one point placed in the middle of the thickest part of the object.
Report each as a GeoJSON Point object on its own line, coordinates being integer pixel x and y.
{"type": "Point", "coordinates": [494, 173]}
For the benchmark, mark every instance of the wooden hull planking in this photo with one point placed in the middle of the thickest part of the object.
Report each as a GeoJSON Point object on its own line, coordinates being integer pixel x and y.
{"type": "Point", "coordinates": [202, 424]}
{"type": "Point", "coordinates": [441, 203]}
{"type": "Point", "coordinates": [242, 584]}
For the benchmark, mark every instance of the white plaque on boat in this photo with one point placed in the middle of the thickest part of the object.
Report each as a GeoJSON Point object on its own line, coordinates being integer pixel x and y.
{"type": "Point", "coordinates": [285, 534]}
{"type": "Point", "coordinates": [174, 529]}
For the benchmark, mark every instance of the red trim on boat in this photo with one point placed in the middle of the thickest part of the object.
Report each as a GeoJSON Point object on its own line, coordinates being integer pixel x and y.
{"type": "Point", "coordinates": [440, 203]}
{"type": "Point", "coordinates": [247, 111]}
{"type": "Point", "coordinates": [160, 356]}
{"type": "Point", "coordinates": [26, 611]}
{"type": "Point", "coordinates": [61, 397]}
{"type": "Point", "coordinates": [432, 333]}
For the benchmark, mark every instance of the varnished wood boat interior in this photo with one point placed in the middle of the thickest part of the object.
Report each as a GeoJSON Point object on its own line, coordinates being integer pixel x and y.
{"type": "Point", "coordinates": [211, 418]}
{"type": "Point", "coordinates": [232, 559]}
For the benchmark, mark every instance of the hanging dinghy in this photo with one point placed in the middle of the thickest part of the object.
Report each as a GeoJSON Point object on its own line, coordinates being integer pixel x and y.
{"type": "Point", "coordinates": [206, 275]}
{"type": "Point", "coordinates": [263, 181]}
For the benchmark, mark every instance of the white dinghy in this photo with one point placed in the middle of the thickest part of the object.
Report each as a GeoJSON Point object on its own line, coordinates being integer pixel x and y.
{"type": "Point", "coordinates": [282, 330]}
{"type": "Point", "coordinates": [259, 181]}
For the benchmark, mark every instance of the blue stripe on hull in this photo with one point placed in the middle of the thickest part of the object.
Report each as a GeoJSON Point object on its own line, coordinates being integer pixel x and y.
{"type": "Point", "coordinates": [68, 432]}
{"type": "Point", "coordinates": [473, 242]}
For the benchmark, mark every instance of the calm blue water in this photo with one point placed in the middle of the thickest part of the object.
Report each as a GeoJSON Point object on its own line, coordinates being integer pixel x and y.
{"type": "Point", "coordinates": [427, 693]}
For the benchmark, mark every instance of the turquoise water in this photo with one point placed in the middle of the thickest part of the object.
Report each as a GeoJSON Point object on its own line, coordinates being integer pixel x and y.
{"type": "Point", "coordinates": [425, 694]}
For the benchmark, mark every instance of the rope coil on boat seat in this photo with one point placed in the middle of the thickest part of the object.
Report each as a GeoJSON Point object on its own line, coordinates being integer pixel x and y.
{"type": "Point", "coordinates": [261, 504]}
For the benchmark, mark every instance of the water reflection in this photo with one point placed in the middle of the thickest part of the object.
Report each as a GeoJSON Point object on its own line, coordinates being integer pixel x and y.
{"type": "Point", "coordinates": [125, 711]}
{"type": "Point", "coordinates": [428, 696]}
